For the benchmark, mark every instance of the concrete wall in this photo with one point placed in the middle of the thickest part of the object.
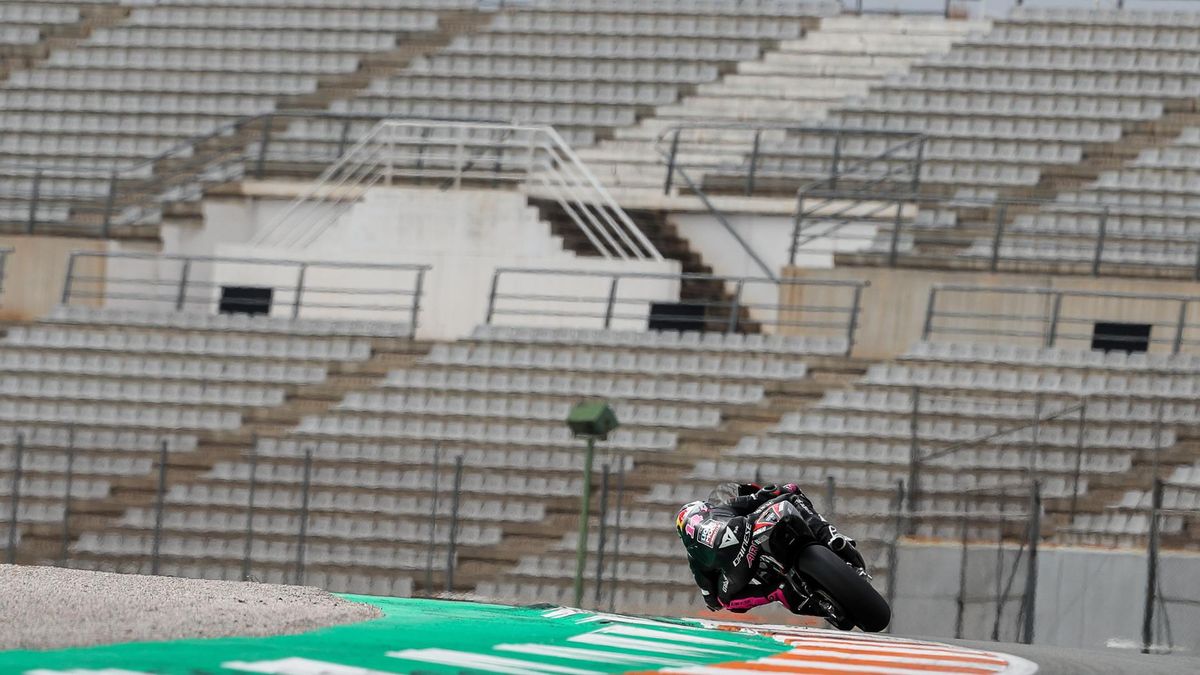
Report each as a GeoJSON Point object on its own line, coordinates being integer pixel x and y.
{"type": "Point", "coordinates": [464, 235]}
{"type": "Point", "coordinates": [894, 305]}
{"type": "Point", "coordinates": [769, 237]}
{"type": "Point", "coordinates": [1085, 597]}
{"type": "Point", "coordinates": [35, 272]}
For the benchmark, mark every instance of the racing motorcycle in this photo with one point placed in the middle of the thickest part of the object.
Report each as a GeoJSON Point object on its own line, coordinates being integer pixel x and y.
{"type": "Point", "coordinates": [828, 586]}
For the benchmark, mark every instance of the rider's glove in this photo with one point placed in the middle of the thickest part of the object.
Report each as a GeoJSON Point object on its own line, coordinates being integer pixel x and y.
{"type": "Point", "coordinates": [845, 548]}
{"type": "Point", "coordinates": [711, 602]}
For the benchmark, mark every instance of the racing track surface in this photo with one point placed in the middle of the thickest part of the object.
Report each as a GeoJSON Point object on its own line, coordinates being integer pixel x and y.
{"type": "Point", "coordinates": [429, 637]}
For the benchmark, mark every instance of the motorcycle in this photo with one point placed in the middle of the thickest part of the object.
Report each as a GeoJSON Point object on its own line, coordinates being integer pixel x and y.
{"type": "Point", "coordinates": [828, 586]}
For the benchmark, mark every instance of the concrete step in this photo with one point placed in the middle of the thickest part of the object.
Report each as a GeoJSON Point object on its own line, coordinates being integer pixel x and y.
{"type": "Point", "coordinates": [848, 61]}
{"type": "Point", "coordinates": [907, 25]}
{"type": "Point", "coordinates": [744, 109]}
{"type": "Point", "coordinates": [873, 45]}
{"type": "Point", "coordinates": [787, 89]}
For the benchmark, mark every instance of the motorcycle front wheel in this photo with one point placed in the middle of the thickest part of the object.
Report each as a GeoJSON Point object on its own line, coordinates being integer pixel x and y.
{"type": "Point", "coordinates": [854, 595]}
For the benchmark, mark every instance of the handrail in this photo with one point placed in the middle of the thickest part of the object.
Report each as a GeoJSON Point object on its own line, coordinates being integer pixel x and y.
{"type": "Point", "coordinates": [607, 298]}
{"type": "Point", "coordinates": [290, 286]}
{"type": "Point", "coordinates": [720, 216]}
{"type": "Point", "coordinates": [1051, 320]}
{"type": "Point", "coordinates": [454, 151]}
{"type": "Point", "coordinates": [1085, 248]}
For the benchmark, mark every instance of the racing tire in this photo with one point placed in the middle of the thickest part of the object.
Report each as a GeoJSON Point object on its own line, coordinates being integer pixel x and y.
{"type": "Point", "coordinates": [858, 600]}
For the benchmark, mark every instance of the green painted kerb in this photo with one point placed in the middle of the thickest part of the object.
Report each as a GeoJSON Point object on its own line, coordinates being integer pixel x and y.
{"type": "Point", "coordinates": [422, 636]}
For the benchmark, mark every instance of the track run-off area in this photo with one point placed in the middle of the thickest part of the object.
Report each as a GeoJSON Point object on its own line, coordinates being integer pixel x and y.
{"type": "Point", "coordinates": [428, 636]}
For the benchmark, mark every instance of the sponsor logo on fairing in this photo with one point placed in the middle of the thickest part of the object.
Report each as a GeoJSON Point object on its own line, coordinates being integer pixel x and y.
{"type": "Point", "coordinates": [728, 539]}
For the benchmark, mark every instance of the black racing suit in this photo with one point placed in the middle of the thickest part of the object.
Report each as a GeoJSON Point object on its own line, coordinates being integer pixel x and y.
{"type": "Point", "coordinates": [722, 553]}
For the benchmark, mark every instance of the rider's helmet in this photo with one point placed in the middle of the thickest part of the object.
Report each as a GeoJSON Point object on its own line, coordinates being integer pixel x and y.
{"type": "Point", "coordinates": [688, 518]}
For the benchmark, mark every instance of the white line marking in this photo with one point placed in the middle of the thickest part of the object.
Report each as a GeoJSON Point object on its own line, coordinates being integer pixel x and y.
{"type": "Point", "coordinates": [485, 663]}
{"type": "Point", "coordinates": [299, 666]}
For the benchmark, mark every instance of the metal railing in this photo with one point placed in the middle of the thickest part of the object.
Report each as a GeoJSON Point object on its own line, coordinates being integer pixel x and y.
{"type": "Point", "coordinates": [987, 234]}
{"type": "Point", "coordinates": [752, 159]}
{"type": "Point", "coordinates": [451, 154]}
{"type": "Point", "coordinates": [254, 520]}
{"type": "Point", "coordinates": [635, 300]}
{"type": "Point", "coordinates": [1049, 317]}
{"type": "Point", "coordinates": [289, 288]}
{"type": "Point", "coordinates": [1157, 633]}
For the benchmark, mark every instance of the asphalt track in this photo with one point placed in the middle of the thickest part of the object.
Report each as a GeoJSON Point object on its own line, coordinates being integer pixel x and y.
{"type": "Point", "coordinates": [1063, 661]}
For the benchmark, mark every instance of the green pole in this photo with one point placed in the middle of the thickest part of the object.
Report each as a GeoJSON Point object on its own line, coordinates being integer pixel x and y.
{"type": "Point", "coordinates": [584, 513]}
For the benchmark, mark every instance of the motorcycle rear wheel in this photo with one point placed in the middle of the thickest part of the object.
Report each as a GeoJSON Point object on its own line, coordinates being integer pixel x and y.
{"type": "Point", "coordinates": [855, 596]}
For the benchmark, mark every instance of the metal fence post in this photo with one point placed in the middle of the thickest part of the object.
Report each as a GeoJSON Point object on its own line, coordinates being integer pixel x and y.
{"type": "Point", "coordinates": [1035, 451]}
{"type": "Point", "coordinates": [613, 579]}
{"type": "Point", "coordinates": [753, 162]}
{"type": "Point", "coordinates": [160, 501]}
{"type": "Point", "coordinates": [109, 205]}
{"type": "Point", "coordinates": [830, 496]}
{"type": "Point", "coordinates": [1078, 457]}
{"type": "Point", "coordinates": [491, 306]}
{"type": "Point", "coordinates": [248, 551]}
{"type": "Point", "coordinates": [1055, 310]}
{"type": "Point", "coordinates": [671, 163]}
{"type": "Point", "coordinates": [296, 302]}
{"type": "Point", "coordinates": [415, 315]}
{"type": "Point", "coordinates": [612, 301]}
{"type": "Point", "coordinates": [927, 328]}
{"type": "Point", "coordinates": [264, 142]}
{"type": "Point", "coordinates": [15, 498]}
{"type": "Point", "coordinates": [914, 454]}
{"type": "Point", "coordinates": [918, 164]}
{"type": "Point", "coordinates": [1098, 255]}
{"type": "Point", "coordinates": [70, 480]}
{"type": "Point", "coordinates": [797, 223]}
{"type": "Point", "coordinates": [1031, 574]}
{"type": "Point", "coordinates": [344, 138]}
{"type": "Point", "coordinates": [437, 468]}
{"type": "Point", "coordinates": [302, 535]}
{"type": "Point", "coordinates": [836, 160]}
{"type": "Point", "coordinates": [998, 235]}
{"type": "Point", "coordinates": [34, 198]}
{"type": "Point", "coordinates": [181, 297]}
{"type": "Point", "coordinates": [897, 224]}
{"type": "Point", "coordinates": [960, 604]}
{"type": "Point", "coordinates": [735, 308]}
{"type": "Point", "coordinates": [603, 535]}
{"type": "Point", "coordinates": [451, 550]}
{"type": "Point", "coordinates": [1196, 263]}
{"type": "Point", "coordinates": [1180, 327]}
{"type": "Point", "coordinates": [70, 277]}
{"type": "Point", "coordinates": [852, 325]}
{"type": "Point", "coordinates": [1152, 568]}
{"type": "Point", "coordinates": [893, 561]}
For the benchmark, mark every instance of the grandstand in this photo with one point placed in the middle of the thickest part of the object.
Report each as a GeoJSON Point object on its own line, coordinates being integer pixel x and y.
{"type": "Point", "coordinates": [302, 290]}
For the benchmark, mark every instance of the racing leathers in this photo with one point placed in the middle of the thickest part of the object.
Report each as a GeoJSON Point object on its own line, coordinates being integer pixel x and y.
{"type": "Point", "coordinates": [718, 534]}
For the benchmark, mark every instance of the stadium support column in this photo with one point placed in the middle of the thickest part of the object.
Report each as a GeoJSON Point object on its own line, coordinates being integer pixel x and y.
{"type": "Point", "coordinates": [584, 515]}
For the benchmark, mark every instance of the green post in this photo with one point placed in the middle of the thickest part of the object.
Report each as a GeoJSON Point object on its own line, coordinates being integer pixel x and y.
{"type": "Point", "coordinates": [585, 509]}
{"type": "Point", "coordinates": [591, 421]}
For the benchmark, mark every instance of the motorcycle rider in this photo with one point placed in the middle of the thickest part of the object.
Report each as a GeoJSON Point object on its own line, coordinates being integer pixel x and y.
{"type": "Point", "coordinates": [718, 535]}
